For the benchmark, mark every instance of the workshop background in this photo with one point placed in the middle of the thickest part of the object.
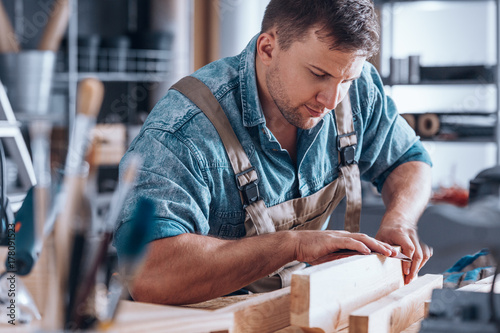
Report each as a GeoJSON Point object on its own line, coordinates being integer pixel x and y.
{"type": "Point", "coordinates": [438, 60]}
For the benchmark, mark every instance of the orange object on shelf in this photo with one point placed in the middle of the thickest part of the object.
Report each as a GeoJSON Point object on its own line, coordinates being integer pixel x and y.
{"type": "Point", "coordinates": [454, 195]}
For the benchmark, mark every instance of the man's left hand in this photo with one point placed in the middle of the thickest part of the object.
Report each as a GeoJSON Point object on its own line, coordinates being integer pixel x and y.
{"type": "Point", "coordinates": [406, 236]}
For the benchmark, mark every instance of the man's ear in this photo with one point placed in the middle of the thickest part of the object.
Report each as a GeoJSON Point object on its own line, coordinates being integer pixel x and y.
{"type": "Point", "coordinates": [266, 45]}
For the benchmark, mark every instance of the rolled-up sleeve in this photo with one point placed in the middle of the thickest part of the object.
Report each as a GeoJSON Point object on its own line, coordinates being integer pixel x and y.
{"type": "Point", "coordinates": [171, 178]}
{"type": "Point", "coordinates": [387, 139]}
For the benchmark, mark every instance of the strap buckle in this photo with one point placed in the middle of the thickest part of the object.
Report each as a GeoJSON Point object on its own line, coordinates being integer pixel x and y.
{"type": "Point", "coordinates": [348, 153]}
{"type": "Point", "coordinates": [249, 192]}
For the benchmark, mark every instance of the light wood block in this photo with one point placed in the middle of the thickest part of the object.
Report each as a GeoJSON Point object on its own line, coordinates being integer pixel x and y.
{"type": "Point", "coordinates": [323, 296]}
{"type": "Point", "coordinates": [483, 286]}
{"type": "Point", "coordinates": [135, 317]}
{"type": "Point", "coordinates": [398, 310]}
{"type": "Point", "coordinates": [259, 313]}
{"type": "Point", "coordinates": [427, 306]}
{"type": "Point", "coordinates": [415, 328]}
{"type": "Point", "coordinates": [296, 329]}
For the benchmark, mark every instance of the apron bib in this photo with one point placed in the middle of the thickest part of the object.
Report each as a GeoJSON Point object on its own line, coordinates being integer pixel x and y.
{"type": "Point", "coordinates": [308, 213]}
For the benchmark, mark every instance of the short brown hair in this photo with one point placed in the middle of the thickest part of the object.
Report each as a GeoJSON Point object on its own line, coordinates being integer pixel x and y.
{"type": "Point", "coordinates": [349, 25]}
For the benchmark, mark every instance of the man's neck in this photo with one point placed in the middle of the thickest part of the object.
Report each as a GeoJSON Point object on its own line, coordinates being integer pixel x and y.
{"type": "Point", "coordinates": [274, 119]}
{"type": "Point", "coordinates": [285, 133]}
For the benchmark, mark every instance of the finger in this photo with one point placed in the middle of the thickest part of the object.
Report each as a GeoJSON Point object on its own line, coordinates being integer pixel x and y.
{"type": "Point", "coordinates": [389, 247]}
{"type": "Point", "coordinates": [427, 253]}
{"type": "Point", "coordinates": [408, 249]}
{"type": "Point", "coordinates": [350, 243]}
{"type": "Point", "coordinates": [330, 257]}
{"type": "Point", "coordinates": [417, 259]}
{"type": "Point", "coordinates": [374, 245]}
{"type": "Point", "coordinates": [392, 252]}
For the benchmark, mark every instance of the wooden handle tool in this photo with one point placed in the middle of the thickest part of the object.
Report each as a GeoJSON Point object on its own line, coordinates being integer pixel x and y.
{"type": "Point", "coordinates": [56, 26]}
{"type": "Point", "coordinates": [90, 96]}
{"type": "Point", "coordinates": [8, 40]}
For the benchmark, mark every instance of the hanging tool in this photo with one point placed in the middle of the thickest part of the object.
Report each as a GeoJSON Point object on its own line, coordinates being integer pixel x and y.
{"type": "Point", "coordinates": [90, 96]}
{"type": "Point", "coordinates": [8, 40]}
{"type": "Point", "coordinates": [56, 26]}
{"type": "Point", "coordinates": [136, 236]}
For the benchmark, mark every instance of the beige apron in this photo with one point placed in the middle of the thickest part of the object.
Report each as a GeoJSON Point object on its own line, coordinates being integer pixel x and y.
{"type": "Point", "coordinates": [309, 213]}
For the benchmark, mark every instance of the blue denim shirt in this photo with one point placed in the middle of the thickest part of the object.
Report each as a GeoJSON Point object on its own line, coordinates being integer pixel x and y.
{"type": "Point", "coordinates": [187, 174]}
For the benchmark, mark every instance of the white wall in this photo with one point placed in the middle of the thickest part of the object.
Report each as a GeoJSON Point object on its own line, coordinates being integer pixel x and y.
{"type": "Point", "coordinates": [445, 34]}
{"type": "Point", "coordinates": [456, 163]}
{"type": "Point", "coordinates": [240, 21]}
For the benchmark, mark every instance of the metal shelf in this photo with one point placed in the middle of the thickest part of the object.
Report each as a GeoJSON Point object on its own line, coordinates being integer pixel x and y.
{"type": "Point", "coordinates": [382, 2]}
{"type": "Point", "coordinates": [114, 77]}
{"type": "Point", "coordinates": [458, 140]}
{"type": "Point", "coordinates": [387, 82]}
{"type": "Point", "coordinates": [455, 113]}
{"type": "Point", "coordinates": [494, 80]}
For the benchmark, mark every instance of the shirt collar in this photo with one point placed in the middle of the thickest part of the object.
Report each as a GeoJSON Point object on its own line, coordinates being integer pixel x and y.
{"type": "Point", "coordinates": [252, 109]}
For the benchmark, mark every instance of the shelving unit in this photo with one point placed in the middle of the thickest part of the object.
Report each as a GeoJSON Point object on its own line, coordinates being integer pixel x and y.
{"type": "Point", "coordinates": [479, 95]}
{"type": "Point", "coordinates": [142, 66]}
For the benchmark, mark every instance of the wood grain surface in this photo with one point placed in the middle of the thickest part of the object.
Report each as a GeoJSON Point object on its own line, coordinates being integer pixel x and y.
{"type": "Point", "coordinates": [323, 296]}
{"type": "Point", "coordinates": [398, 310]}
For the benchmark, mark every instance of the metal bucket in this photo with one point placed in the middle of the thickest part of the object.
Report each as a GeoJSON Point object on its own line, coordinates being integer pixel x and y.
{"type": "Point", "coordinates": [27, 76]}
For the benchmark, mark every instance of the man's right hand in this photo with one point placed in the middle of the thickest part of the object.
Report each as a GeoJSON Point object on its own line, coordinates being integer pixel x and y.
{"type": "Point", "coordinates": [313, 245]}
{"type": "Point", "coordinates": [192, 268]}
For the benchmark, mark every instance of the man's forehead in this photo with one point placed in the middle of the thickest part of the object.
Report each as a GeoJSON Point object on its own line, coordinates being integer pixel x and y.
{"type": "Point", "coordinates": [318, 52]}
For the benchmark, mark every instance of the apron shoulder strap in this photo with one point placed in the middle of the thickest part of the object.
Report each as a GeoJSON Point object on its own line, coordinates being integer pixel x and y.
{"type": "Point", "coordinates": [202, 97]}
{"type": "Point", "coordinates": [347, 141]}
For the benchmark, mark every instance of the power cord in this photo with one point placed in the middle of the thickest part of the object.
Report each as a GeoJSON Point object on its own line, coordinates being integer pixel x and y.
{"type": "Point", "coordinates": [6, 215]}
{"type": "Point", "coordinates": [495, 318]}
{"type": "Point", "coordinates": [3, 186]}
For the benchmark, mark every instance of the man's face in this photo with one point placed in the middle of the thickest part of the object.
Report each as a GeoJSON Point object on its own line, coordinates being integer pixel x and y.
{"type": "Point", "coordinates": [309, 80]}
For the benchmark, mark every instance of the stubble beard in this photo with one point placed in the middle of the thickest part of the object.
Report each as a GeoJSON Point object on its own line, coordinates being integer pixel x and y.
{"type": "Point", "coordinates": [291, 114]}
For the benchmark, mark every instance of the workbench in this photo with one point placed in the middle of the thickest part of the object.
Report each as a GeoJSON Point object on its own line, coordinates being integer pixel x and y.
{"type": "Point", "coordinates": [269, 312]}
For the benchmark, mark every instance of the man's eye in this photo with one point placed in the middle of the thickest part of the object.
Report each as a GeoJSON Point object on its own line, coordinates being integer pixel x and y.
{"type": "Point", "coordinates": [318, 75]}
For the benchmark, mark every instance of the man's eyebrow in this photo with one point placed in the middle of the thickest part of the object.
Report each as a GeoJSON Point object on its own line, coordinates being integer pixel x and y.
{"type": "Point", "coordinates": [321, 70]}
{"type": "Point", "coordinates": [326, 73]}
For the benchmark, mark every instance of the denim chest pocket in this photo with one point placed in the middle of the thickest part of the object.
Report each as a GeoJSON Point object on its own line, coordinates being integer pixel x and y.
{"type": "Point", "coordinates": [227, 224]}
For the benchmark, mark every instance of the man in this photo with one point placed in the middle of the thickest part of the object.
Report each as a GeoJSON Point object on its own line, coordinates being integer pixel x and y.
{"type": "Point", "coordinates": [279, 153]}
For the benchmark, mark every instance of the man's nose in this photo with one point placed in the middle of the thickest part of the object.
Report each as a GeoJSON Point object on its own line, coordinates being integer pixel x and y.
{"type": "Point", "coordinates": [330, 96]}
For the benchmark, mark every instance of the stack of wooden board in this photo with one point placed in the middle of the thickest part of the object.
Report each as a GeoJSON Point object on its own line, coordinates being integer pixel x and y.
{"type": "Point", "coordinates": [398, 310]}
{"type": "Point", "coordinates": [324, 296]}
{"type": "Point", "coordinates": [259, 313]}
{"type": "Point", "coordinates": [365, 292]}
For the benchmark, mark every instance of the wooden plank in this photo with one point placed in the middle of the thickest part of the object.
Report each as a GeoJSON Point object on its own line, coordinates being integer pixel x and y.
{"type": "Point", "coordinates": [415, 328]}
{"type": "Point", "coordinates": [296, 329]}
{"type": "Point", "coordinates": [323, 296]}
{"type": "Point", "coordinates": [427, 305]}
{"type": "Point", "coordinates": [398, 310]}
{"type": "Point", "coordinates": [139, 317]}
{"type": "Point", "coordinates": [259, 313]}
{"type": "Point", "coordinates": [221, 302]}
{"type": "Point", "coordinates": [483, 286]}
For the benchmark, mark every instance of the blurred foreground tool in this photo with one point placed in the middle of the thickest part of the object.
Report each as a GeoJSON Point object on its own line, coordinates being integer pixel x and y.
{"type": "Point", "coordinates": [136, 235]}
{"type": "Point", "coordinates": [25, 253]}
{"type": "Point", "coordinates": [8, 40]}
{"type": "Point", "coordinates": [144, 217]}
{"type": "Point", "coordinates": [90, 96]}
{"type": "Point", "coordinates": [56, 26]}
